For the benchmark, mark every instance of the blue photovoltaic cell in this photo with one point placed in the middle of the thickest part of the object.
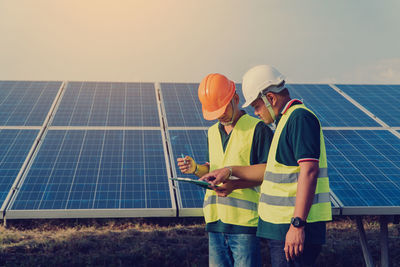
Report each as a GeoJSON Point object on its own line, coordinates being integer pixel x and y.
{"type": "Point", "coordinates": [108, 104]}
{"type": "Point", "coordinates": [97, 169]}
{"type": "Point", "coordinates": [14, 148]}
{"type": "Point", "coordinates": [331, 108]}
{"type": "Point", "coordinates": [364, 167]}
{"type": "Point", "coordinates": [183, 107]}
{"type": "Point", "coordinates": [381, 100]}
{"type": "Point", "coordinates": [26, 103]}
{"type": "Point", "coordinates": [190, 143]}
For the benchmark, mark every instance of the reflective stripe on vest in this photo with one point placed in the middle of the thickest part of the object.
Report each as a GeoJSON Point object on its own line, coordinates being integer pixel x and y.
{"type": "Point", "coordinates": [233, 202]}
{"type": "Point", "coordinates": [291, 201]}
{"type": "Point", "coordinates": [279, 188]}
{"type": "Point", "coordinates": [240, 207]}
{"type": "Point", "coordinates": [290, 177]}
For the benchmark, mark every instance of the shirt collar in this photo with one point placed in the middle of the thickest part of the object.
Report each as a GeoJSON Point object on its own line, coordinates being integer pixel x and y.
{"type": "Point", "coordinates": [289, 104]}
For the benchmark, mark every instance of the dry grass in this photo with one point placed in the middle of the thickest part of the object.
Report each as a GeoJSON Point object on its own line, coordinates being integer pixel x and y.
{"type": "Point", "coordinates": [157, 242]}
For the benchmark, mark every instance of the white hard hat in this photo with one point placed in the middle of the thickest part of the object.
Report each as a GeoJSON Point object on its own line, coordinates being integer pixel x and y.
{"type": "Point", "coordinates": [259, 78]}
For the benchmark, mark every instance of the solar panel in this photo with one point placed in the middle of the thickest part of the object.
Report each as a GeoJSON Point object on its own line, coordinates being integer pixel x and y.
{"type": "Point", "coordinates": [14, 147]}
{"type": "Point", "coordinates": [108, 104]}
{"type": "Point", "coordinates": [381, 100]}
{"type": "Point", "coordinates": [183, 108]}
{"type": "Point", "coordinates": [331, 108]}
{"type": "Point", "coordinates": [364, 167]}
{"type": "Point", "coordinates": [24, 103]}
{"type": "Point", "coordinates": [189, 143]}
{"type": "Point", "coordinates": [94, 170]}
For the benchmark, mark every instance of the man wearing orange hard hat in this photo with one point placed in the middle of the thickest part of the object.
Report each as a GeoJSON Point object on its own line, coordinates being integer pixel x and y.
{"type": "Point", "coordinates": [230, 211]}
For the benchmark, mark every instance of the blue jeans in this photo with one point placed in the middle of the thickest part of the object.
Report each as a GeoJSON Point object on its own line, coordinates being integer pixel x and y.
{"type": "Point", "coordinates": [278, 258]}
{"type": "Point", "coordinates": [233, 250]}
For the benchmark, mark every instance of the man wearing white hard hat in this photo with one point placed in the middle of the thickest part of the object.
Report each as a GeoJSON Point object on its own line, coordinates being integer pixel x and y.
{"type": "Point", "coordinates": [294, 201]}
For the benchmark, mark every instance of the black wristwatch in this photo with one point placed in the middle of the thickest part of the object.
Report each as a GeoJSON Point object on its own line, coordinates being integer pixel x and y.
{"type": "Point", "coordinates": [297, 222]}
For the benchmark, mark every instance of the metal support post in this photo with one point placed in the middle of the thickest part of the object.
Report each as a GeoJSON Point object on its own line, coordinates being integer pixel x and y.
{"type": "Point", "coordinates": [364, 246]}
{"type": "Point", "coordinates": [383, 221]}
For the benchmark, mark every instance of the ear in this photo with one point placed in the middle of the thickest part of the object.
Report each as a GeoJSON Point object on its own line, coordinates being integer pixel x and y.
{"type": "Point", "coordinates": [236, 98]}
{"type": "Point", "coordinates": [271, 97]}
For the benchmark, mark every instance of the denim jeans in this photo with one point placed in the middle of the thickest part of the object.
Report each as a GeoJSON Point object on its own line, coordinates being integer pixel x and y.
{"type": "Point", "coordinates": [278, 258]}
{"type": "Point", "coordinates": [234, 250]}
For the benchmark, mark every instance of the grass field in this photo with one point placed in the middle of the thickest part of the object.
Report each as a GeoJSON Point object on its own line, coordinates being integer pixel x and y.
{"type": "Point", "coordinates": [159, 242]}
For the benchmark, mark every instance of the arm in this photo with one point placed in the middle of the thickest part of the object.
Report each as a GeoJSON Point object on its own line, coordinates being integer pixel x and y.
{"type": "Point", "coordinates": [225, 189]}
{"type": "Point", "coordinates": [307, 182]}
{"type": "Point", "coordinates": [189, 166]}
{"type": "Point", "coordinates": [252, 173]}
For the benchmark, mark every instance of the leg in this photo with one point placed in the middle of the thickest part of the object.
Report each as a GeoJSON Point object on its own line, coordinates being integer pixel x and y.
{"type": "Point", "coordinates": [218, 250]}
{"type": "Point", "coordinates": [245, 250]}
{"type": "Point", "coordinates": [278, 258]}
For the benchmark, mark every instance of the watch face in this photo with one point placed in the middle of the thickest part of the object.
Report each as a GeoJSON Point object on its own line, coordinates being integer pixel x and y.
{"type": "Point", "coordinates": [296, 222]}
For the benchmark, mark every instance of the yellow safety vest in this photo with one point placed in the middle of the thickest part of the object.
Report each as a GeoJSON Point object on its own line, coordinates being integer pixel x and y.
{"type": "Point", "coordinates": [240, 207]}
{"type": "Point", "coordinates": [279, 188]}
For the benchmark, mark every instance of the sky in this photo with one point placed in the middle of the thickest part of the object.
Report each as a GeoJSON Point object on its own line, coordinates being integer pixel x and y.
{"type": "Point", "coordinates": [309, 41]}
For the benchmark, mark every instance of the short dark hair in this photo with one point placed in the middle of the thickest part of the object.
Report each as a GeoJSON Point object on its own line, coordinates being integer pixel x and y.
{"type": "Point", "coordinates": [284, 92]}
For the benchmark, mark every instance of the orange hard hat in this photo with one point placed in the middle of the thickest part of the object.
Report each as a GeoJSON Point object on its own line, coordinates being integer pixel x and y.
{"type": "Point", "coordinates": [215, 93]}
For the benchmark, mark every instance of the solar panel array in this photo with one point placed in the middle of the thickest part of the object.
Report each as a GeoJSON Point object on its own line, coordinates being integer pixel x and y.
{"type": "Point", "coordinates": [101, 156]}
{"type": "Point", "coordinates": [103, 149]}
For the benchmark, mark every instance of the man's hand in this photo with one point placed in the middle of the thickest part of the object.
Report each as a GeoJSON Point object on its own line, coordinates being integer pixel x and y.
{"type": "Point", "coordinates": [224, 189]}
{"type": "Point", "coordinates": [294, 242]}
{"type": "Point", "coordinates": [187, 164]}
{"type": "Point", "coordinates": [216, 177]}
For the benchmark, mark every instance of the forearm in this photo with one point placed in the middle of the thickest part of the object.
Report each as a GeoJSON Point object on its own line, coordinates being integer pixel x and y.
{"type": "Point", "coordinates": [253, 174]}
{"type": "Point", "coordinates": [306, 186]}
{"type": "Point", "coordinates": [241, 184]}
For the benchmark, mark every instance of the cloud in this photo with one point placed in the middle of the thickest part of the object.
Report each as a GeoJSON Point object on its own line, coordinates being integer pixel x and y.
{"type": "Point", "coordinates": [385, 71]}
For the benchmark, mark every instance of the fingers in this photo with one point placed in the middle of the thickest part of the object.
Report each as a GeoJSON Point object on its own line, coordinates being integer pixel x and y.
{"type": "Point", "coordinates": [292, 251]}
{"type": "Point", "coordinates": [295, 251]}
{"type": "Point", "coordinates": [221, 193]}
{"type": "Point", "coordinates": [301, 248]}
{"type": "Point", "coordinates": [209, 177]}
{"type": "Point", "coordinates": [185, 164]}
{"type": "Point", "coordinates": [286, 249]}
{"type": "Point", "coordinates": [216, 177]}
